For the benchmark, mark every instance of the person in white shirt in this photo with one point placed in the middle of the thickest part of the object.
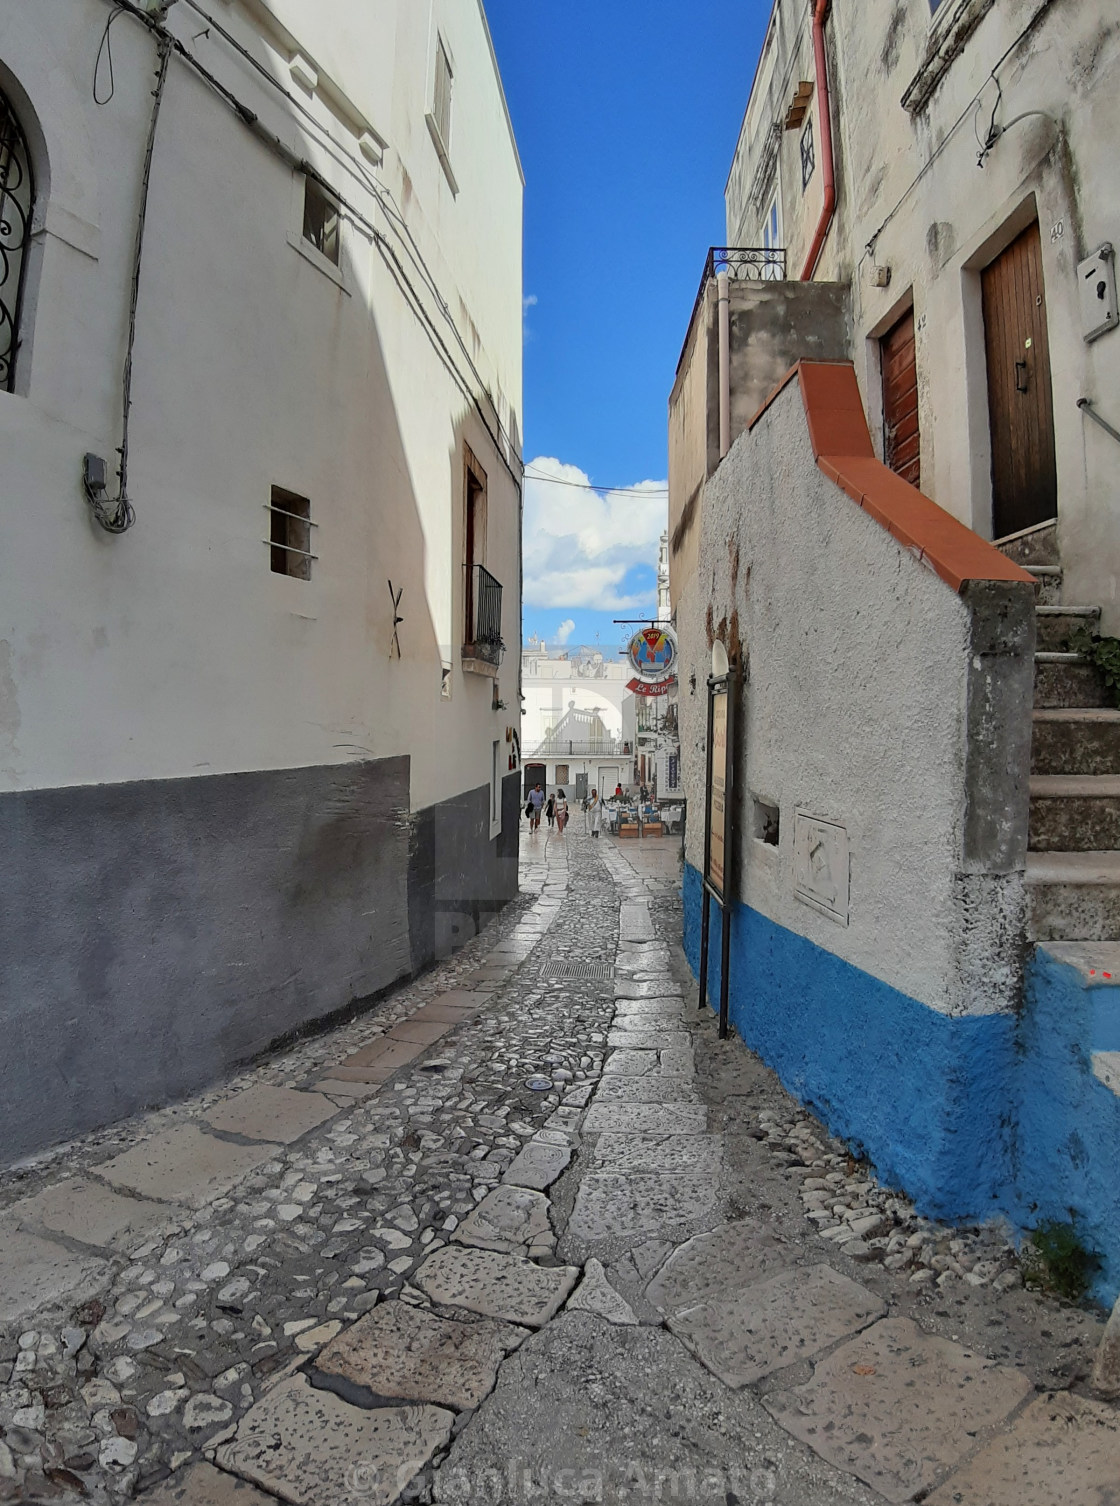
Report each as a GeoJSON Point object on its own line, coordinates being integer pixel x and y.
{"type": "Point", "coordinates": [561, 811]}
{"type": "Point", "coordinates": [595, 814]}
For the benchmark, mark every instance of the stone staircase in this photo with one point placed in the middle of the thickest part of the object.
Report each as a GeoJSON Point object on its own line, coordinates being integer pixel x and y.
{"type": "Point", "coordinates": [1073, 867]}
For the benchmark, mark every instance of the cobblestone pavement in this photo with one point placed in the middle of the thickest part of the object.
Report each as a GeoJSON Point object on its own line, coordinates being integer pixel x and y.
{"type": "Point", "coordinates": [527, 1232]}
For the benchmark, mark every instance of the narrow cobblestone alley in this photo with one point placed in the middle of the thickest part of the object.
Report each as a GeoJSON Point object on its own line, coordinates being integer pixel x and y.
{"type": "Point", "coordinates": [526, 1232]}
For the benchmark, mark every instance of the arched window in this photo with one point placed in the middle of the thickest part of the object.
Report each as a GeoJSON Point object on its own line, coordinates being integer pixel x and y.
{"type": "Point", "coordinates": [17, 203]}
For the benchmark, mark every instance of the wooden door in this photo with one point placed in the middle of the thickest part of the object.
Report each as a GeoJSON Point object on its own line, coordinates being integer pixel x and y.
{"type": "Point", "coordinates": [901, 439]}
{"type": "Point", "coordinates": [1020, 403]}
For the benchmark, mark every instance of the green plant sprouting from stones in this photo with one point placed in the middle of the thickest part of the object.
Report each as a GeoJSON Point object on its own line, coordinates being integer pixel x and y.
{"type": "Point", "coordinates": [1055, 1259]}
{"type": "Point", "coordinates": [1103, 654]}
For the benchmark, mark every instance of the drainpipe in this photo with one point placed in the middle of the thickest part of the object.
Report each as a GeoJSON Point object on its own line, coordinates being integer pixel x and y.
{"type": "Point", "coordinates": [724, 365]}
{"type": "Point", "coordinates": [824, 128]}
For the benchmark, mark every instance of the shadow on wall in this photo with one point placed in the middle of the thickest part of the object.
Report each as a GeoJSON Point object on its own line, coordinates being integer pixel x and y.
{"type": "Point", "coordinates": [159, 932]}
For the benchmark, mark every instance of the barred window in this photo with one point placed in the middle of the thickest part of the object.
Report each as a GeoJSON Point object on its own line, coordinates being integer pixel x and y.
{"type": "Point", "coordinates": [290, 534]}
{"type": "Point", "coordinates": [808, 156]}
{"type": "Point", "coordinates": [17, 204]}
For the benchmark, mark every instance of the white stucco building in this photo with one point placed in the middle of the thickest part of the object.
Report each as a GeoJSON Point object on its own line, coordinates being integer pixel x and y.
{"type": "Point", "coordinates": [578, 720]}
{"type": "Point", "coordinates": [894, 436]}
{"type": "Point", "coordinates": [257, 750]}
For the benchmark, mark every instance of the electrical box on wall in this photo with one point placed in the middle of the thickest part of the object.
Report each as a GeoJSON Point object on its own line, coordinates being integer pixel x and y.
{"type": "Point", "coordinates": [1096, 288]}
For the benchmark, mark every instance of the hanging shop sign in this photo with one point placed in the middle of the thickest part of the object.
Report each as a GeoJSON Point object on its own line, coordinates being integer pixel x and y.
{"type": "Point", "coordinates": [651, 687]}
{"type": "Point", "coordinates": [653, 653]}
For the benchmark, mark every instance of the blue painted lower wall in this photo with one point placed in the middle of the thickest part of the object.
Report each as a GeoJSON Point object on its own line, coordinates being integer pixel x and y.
{"type": "Point", "coordinates": [974, 1118]}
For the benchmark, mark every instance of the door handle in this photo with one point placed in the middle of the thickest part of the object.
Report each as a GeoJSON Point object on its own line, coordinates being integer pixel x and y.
{"type": "Point", "coordinates": [1020, 376]}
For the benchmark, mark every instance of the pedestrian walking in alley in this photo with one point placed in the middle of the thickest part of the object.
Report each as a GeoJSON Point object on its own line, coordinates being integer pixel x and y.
{"type": "Point", "coordinates": [561, 811]}
{"type": "Point", "coordinates": [536, 800]}
{"type": "Point", "coordinates": [550, 809]}
{"type": "Point", "coordinates": [594, 814]}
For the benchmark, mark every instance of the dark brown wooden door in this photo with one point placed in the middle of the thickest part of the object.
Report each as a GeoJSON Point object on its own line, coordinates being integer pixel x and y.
{"type": "Point", "coordinates": [1020, 403]}
{"type": "Point", "coordinates": [902, 444]}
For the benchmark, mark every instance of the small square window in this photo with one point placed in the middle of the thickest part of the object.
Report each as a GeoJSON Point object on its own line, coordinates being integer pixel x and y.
{"type": "Point", "coordinates": [290, 534]}
{"type": "Point", "coordinates": [321, 221]}
{"type": "Point", "coordinates": [808, 158]}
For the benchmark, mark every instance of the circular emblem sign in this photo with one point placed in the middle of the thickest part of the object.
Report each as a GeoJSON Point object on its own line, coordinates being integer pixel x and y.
{"type": "Point", "coordinates": [653, 653]}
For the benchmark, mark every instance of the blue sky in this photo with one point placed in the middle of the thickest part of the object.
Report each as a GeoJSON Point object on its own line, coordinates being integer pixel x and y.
{"type": "Point", "coordinates": [626, 118]}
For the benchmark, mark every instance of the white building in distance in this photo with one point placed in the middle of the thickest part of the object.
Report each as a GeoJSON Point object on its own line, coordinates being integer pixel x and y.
{"type": "Point", "coordinates": [256, 761]}
{"type": "Point", "coordinates": [578, 720]}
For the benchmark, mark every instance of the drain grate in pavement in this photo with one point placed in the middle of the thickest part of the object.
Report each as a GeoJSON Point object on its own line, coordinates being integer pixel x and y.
{"type": "Point", "coordinates": [577, 970]}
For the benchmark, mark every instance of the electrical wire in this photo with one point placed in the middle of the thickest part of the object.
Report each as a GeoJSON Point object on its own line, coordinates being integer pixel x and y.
{"type": "Point", "coordinates": [106, 50]}
{"type": "Point", "coordinates": [972, 105]}
{"type": "Point", "coordinates": [122, 515]}
{"type": "Point", "coordinates": [271, 140]}
{"type": "Point", "coordinates": [358, 170]}
{"type": "Point", "coordinates": [586, 486]}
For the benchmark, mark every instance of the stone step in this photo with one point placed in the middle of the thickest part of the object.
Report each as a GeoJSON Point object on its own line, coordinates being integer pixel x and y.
{"type": "Point", "coordinates": [1074, 896]}
{"type": "Point", "coordinates": [1074, 812]}
{"type": "Point", "coordinates": [1056, 624]}
{"type": "Point", "coordinates": [1049, 578]}
{"type": "Point", "coordinates": [1076, 740]}
{"type": "Point", "coordinates": [1066, 680]}
{"type": "Point", "coordinates": [1032, 546]}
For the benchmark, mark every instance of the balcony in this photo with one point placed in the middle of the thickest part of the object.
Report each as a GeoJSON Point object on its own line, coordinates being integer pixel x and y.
{"type": "Point", "coordinates": [742, 264]}
{"type": "Point", "coordinates": [482, 646]}
{"type": "Point", "coordinates": [571, 747]}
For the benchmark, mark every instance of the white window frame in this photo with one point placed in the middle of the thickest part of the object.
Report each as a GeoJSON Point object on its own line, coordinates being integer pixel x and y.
{"type": "Point", "coordinates": [772, 239]}
{"type": "Point", "coordinates": [337, 274]}
{"type": "Point", "coordinates": [496, 788]}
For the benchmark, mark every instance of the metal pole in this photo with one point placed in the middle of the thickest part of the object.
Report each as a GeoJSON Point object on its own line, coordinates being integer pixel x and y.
{"type": "Point", "coordinates": [704, 912]}
{"type": "Point", "coordinates": [732, 694]}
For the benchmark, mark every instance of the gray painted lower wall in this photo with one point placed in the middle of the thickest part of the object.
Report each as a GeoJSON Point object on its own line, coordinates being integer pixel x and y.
{"type": "Point", "coordinates": [153, 935]}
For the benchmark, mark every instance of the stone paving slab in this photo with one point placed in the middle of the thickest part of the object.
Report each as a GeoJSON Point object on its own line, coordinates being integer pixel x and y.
{"type": "Point", "coordinates": [635, 923]}
{"type": "Point", "coordinates": [632, 988]}
{"type": "Point", "coordinates": [89, 1213]}
{"type": "Point", "coordinates": [662, 1087]}
{"type": "Point", "coordinates": [678, 1061]}
{"type": "Point", "coordinates": [711, 1265]}
{"type": "Point", "coordinates": [657, 1153]}
{"type": "Point", "coordinates": [35, 1272]}
{"type": "Point", "coordinates": [589, 1410]}
{"type": "Point", "coordinates": [506, 1219]}
{"type": "Point", "coordinates": [203, 1485]}
{"type": "Point", "coordinates": [402, 1353]}
{"type": "Point", "coordinates": [538, 1165]}
{"type": "Point", "coordinates": [280, 1115]}
{"type": "Point", "coordinates": [650, 1015]}
{"type": "Point", "coordinates": [646, 1119]}
{"type": "Point", "coordinates": [631, 1064]}
{"type": "Point", "coordinates": [312, 1449]}
{"type": "Point", "coordinates": [183, 1165]}
{"type": "Point", "coordinates": [1060, 1449]}
{"type": "Point", "coordinates": [468, 1000]}
{"type": "Point", "coordinates": [613, 1204]}
{"type": "Point", "coordinates": [745, 1334]}
{"type": "Point", "coordinates": [420, 1032]}
{"type": "Point", "coordinates": [897, 1406]}
{"type": "Point", "coordinates": [495, 1285]}
{"type": "Point", "coordinates": [338, 1088]}
{"type": "Point", "coordinates": [384, 1052]}
{"type": "Point", "coordinates": [596, 1295]}
{"type": "Point", "coordinates": [634, 1037]}
{"type": "Point", "coordinates": [374, 1074]}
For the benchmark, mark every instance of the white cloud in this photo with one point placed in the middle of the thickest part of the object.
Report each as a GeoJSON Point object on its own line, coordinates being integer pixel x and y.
{"type": "Point", "coordinates": [580, 545]}
{"type": "Point", "coordinates": [564, 631]}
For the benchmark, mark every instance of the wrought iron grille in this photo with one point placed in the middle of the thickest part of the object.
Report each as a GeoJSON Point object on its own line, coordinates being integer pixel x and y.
{"type": "Point", "coordinates": [742, 264]}
{"type": "Point", "coordinates": [17, 202]}
{"type": "Point", "coordinates": [484, 615]}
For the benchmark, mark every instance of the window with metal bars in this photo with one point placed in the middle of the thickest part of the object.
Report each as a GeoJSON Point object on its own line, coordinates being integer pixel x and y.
{"type": "Point", "coordinates": [290, 534]}
{"type": "Point", "coordinates": [17, 204]}
{"type": "Point", "coordinates": [808, 155]}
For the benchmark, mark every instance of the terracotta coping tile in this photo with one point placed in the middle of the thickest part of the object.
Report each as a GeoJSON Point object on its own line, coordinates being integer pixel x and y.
{"type": "Point", "coordinates": [841, 443]}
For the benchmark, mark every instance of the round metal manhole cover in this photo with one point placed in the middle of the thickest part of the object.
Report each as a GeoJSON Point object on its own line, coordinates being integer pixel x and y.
{"type": "Point", "coordinates": [539, 1084]}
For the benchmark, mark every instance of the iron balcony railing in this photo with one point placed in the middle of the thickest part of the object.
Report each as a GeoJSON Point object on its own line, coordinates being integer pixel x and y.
{"type": "Point", "coordinates": [484, 616]}
{"type": "Point", "coordinates": [564, 747]}
{"type": "Point", "coordinates": [742, 264]}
